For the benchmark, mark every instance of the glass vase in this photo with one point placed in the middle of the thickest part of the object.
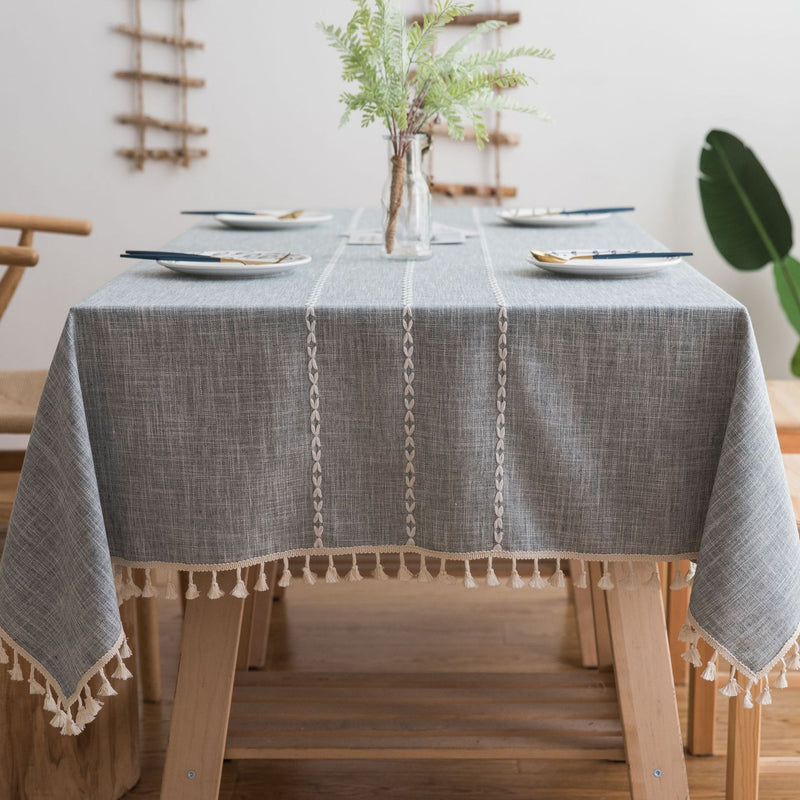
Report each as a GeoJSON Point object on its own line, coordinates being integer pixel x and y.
{"type": "Point", "coordinates": [407, 204]}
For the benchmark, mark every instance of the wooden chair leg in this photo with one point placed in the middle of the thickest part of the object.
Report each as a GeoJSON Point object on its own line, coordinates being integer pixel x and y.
{"type": "Point", "coordinates": [584, 618]}
{"type": "Point", "coordinates": [193, 768]}
{"type": "Point", "coordinates": [677, 607]}
{"type": "Point", "coordinates": [701, 726]}
{"type": "Point", "coordinates": [605, 657]}
{"type": "Point", "coordinates": [648, 707]}
{"type": "Point", "coordinates": [148, 650]}
{"type": "Point", "coordinates": [744, 744]}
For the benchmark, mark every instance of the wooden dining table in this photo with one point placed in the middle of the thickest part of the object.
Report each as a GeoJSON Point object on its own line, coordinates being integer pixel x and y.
{"type": "Point", "coordinates": [471, 417]}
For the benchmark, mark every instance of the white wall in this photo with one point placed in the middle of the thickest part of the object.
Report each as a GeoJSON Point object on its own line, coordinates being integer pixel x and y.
{"type": "Point", "coordinates": [635, 87]}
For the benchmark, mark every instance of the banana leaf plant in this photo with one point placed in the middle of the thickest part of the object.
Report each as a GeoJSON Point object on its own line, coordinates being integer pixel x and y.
{"type": "Point", "coordinates": [747, 219]}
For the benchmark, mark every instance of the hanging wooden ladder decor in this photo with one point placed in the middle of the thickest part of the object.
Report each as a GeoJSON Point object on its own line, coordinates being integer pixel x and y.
{"type": "Point", "coordinates": [497, 137]}
{"type": "Point", "coordinates": [182, 153]}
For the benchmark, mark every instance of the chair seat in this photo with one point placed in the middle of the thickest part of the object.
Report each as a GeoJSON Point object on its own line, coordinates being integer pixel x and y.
{"type": "Point", "coordinates": [20, 391]}
{"type": "Point", "coordinates": [784, 397]}
{"type": "Point", "coordinates": [791, 464]}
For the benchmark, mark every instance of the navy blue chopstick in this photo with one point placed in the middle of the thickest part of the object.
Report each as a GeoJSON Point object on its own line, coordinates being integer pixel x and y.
{"type": "Point", "coordinates": [212, 213]}
{"type": "Point", "coordinates": [634, 255]}
{"type": "Point", "coordinates": [159, 255]}
{"type": "Point", "coordinates": [612, 210]}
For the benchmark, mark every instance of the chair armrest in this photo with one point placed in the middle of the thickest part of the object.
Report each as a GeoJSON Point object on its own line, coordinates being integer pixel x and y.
{"type": "Point", "coordinates": [35, 222]}
{"type": "Point", "coordinates": [18, 256]}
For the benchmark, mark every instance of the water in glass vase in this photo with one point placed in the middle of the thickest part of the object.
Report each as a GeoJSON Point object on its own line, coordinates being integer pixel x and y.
{"type": "Point", "coordinates": [407, 203]}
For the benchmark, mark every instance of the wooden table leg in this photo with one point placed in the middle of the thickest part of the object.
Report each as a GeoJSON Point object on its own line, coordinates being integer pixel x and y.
{"type": "Point", "coordinates": [677, 607]}
{"type": "Point", "coordinates": [193, 768]}
{"type": "Point", "coordinates": [584, 618]}
{"type": "Point", "coordinates": [148, 650]}
{"type": "Point", "coordinates": [262, 616]}
{"type": "Point", "coordinates": [605, 657]}
{"type": "Point", "coordinates": [701, 725]}
{"type": "Point", "coordinates": [649, 711]}
{"type": "Point", "coordinates": [744, 744]}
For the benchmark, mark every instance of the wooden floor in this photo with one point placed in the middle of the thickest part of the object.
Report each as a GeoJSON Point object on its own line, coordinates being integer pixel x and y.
{"type": "Point", "coordinates": [396, 627]}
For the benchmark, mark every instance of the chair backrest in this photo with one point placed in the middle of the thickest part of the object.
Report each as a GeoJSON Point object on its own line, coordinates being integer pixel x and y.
{"type": "Point", "coordinates": [17, 259]}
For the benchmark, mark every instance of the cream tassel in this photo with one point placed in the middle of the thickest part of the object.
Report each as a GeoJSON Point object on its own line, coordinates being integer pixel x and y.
{"type": "Point", "coordinates": [710, 672]}
{"type": "Point", "coordinates": [261, 583]}
{"type": "Point", "coordinates": [3, 654]}
{"type": "Point", "coordinates": [404, 573]}
{"type": "Point", "coordinates": [131, 589]}
{"type": "Point", "coordinates": [491, 577]}
{"type": "Point", "coordinates": [354, 574]}
{"type": "Point", "coordinates": [654, 581]}
{"type": "Point", "coordinates": [469, 581]}
{"type": "Point", "coordinates": [214, 592]}
{"type": "Point", "coordinates": [16, 670]}
{"type": "Point", "coordinates": [765, 697]}
{"type": "Point", "coordinates": [171, 592]}
{"type": "Point", "coordinates": [84, 716]}
{"type": "Point", "coordinates": [121, 673]}
{"type": "Point", "coordinates": [191, 589]}
{"type": "Point", "coordinates": [557, 578]}
{"type": "Point", "coordinates": [50, 701]}
{"type": "Point", "coordinates": [125, 649]}
{"type": "Point", "coordinates": [678, 582]}
{"type": "Point", "coordinates": [93, 706]}
{"type": "Point", "coordinates": [689, 576]}
{"type": "Point", "coordinates": [331, 576]}
{"type": "Point", "coordinates": [379, 573]}
{"type": "Point", "coordinates": [780, 681]}
{"type": "Point", "coordinates": [692, 655]}
{"type": "Point", "coordinates": [106, 689]}
{"type": "Point", "coordinates": [605, 581]}
{"type": "Point", "coordinates": [747, 700]}
{"type": "Point", "coordinates": [69, 728]}
{"type": "Point", "coordinates": [34, 687]}
{"type": "Point", "coordinates": [240, 590]}
{"type": "Point", "coordinates": [794, 660]}
{"type": "Point", "coordinates": [536, 581]}
{"type": "Point", "coordinates": [443, 576]}
{"type": "Point", "coordinates": [60, 717]}
{"type": "Point", "coordinates": [686, 634]}
{"type": "Point", "coordinates": [286, 574]}
{"type": "Point", "coordinates": [423, 576]}
{"type": "Point", "coordinates": [731, 688]}
{"type": "Point", "coordinates": [582, 582]}
{"type": "Point", "coordinates": [308, 576]}
{"type": "Point", "coordinates": [515, 581]}
{"type": "Point", "coordinates": [149, 590]}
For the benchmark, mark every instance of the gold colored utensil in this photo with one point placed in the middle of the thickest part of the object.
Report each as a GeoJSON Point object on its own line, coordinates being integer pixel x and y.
{"type": "Point", "coordinates": [253, 263]}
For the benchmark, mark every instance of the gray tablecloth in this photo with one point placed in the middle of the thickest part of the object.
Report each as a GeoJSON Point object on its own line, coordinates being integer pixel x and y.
{"type": "Point", "coordinates": [470, 405]}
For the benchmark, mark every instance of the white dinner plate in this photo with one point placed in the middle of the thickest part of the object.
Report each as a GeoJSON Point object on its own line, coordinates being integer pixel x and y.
{"type": "Point", "coordinates": [535, 218]}
{"type": "Point", "coordinates": [228, 270]}
{"type": "Point", "coordinates": [258, 223]}
{"type": "Point", "coordinates": [607, 268]}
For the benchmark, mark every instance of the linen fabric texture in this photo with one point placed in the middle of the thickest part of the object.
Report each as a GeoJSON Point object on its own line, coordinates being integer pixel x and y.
{"type": "Point", "coordinates": [177, 428]}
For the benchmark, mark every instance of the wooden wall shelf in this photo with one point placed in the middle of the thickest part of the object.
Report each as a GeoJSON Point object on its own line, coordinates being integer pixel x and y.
{"type": "Point", "coordinates": [495, 137]}
{"type": "Point", "coordinates": [178, 155]}
{"type": "Point", "coordinates": [472, 190]}
{"type": "Point", "coordinates": [509, 17]}
{"type": "Point", "coordinates": [162, 124]}
{"type": "Point", "coordinates": [175, 41]}
{"type": "Point", "coordinates": [158, 77]}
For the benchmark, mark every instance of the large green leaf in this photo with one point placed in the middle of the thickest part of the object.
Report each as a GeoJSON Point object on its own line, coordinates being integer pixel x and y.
{"type": "Point", "coordinates": [744, 211]}
{"type": "Point", "coordinates": [787, 282]}
{"type": "Point", "coordinates": [795, 365]}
